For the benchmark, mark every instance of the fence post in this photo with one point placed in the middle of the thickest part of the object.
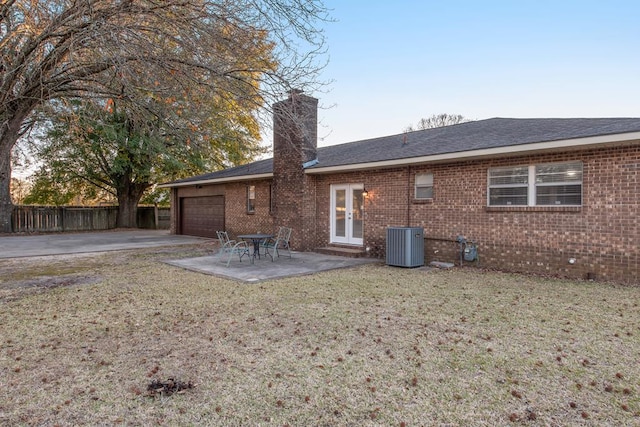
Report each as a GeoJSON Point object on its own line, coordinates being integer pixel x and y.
{"type": "Point", "coordinates": [155, 215]}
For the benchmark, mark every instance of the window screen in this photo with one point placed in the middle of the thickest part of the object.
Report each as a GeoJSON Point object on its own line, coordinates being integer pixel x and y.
{"type": "Point", "coordinates": [553, 184]}
{"type": "Point", "coordinates": [559, 184]}
{"type": "Point", "coordinates": [424, 186]}
{"type": "Point", "coordinates": [508, 186]}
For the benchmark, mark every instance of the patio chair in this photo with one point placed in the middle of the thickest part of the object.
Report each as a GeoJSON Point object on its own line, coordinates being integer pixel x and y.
{"type": "Point", "coordinates": [230, 247]}
{"type": "Point", "coordinates": [281, 241]}
{"type": "Point", "coordinates": [225, 242]}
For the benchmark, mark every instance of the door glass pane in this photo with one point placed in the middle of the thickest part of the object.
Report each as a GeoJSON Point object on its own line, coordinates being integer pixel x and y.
{"type": "Point", "coordinates": [357, 214]}
{"type": "Point", "coordinates": [341, 210]}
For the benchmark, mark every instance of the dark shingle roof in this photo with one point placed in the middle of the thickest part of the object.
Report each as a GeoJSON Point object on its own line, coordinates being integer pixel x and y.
{"type": "Point", "coordinates": [482, 134]}
{"type": "Point", "coordinates": [470, 136]}
{"type": "Point", "coordinates": [255, 168]}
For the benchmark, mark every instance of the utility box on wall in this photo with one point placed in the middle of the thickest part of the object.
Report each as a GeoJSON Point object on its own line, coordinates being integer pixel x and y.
{"type": "Point", "coordinates": [405, 246]}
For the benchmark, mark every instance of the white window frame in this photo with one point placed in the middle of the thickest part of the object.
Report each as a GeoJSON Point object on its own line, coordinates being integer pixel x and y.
{"type": "Point", "coordinates": [251, 199]}
{"type": "Point", "coordinates": [573, 169]}
{"type": "Point", "coordinates": [423, 181]}
{"type": "Point", "coordinates": [533, 182]}
{"type": "Point", "coordinates": [506, 185]}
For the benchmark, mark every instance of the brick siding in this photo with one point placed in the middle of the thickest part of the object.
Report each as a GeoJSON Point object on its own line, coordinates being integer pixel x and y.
{"type": "Point", "coordinates": [237, 219]}
{"type": "Point", "coordinates": [601, 235]}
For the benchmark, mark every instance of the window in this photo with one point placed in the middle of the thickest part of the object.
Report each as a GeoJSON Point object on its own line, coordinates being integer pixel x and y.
{"type": "Point", "coordinates": [508, 186]}
{"type": "Point", "coordinates": [424, 186]}
{"type": "Point", "coordinates": [552, 184]}
{"type": "Point", "coordinates": [251, 199]}
{"type": "Point", "coordinates": [559, 184]}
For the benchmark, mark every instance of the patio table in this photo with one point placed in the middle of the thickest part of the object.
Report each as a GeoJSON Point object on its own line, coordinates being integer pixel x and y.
{"type": "Point", "coordinates": [256, 239]}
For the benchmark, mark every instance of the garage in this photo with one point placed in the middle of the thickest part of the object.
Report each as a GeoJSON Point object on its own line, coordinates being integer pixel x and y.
{"type": "Point", "coordinates": [201, 216]}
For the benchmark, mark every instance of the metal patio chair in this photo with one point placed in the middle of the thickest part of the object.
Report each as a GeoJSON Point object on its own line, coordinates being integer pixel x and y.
{"type": "Point", "coordinates": [281, 241]}
{"type": "Point", "coordinates": [229, 247]}
{"type": "Point", "coordinates": [225, 242]}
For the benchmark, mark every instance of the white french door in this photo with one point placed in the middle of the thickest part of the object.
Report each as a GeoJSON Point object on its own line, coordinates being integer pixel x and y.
{"type": "Point", "coordinates": [347, 214]}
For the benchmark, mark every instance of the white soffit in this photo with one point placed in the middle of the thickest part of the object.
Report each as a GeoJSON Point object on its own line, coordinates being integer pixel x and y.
{"type": "Point", "coordinates": [218, 180]}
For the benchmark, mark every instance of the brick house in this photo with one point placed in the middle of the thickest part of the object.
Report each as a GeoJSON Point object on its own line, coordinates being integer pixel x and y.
{"type": "Point", "coordinates": [550, 196]}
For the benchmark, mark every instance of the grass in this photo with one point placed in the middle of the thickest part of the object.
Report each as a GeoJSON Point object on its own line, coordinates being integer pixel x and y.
{"type": "Point", "coordinates": [82, 337]}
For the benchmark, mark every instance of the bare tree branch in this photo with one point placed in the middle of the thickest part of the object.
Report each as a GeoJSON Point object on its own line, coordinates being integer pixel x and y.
{"type": "Point", "coordinates": [436, 121]}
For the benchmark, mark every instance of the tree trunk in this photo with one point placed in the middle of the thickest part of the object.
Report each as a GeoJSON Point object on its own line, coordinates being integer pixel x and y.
{"type": "Point", "coordinates": [9, 132]}
{"type": "Point", "coordinates": [6, 207]}
{"type": "Point", "coordinates": [127, 213]}
{"type": "Point", "coordinates": [128, 197]}
{"type": "Point", "coordinates": [11, 121]}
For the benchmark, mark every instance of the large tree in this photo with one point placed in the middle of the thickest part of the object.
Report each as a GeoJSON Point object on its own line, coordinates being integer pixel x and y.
{"type": "Point", "coordinates": [96, 148]}
{"type": "Point", "coordinates": [179, 51]}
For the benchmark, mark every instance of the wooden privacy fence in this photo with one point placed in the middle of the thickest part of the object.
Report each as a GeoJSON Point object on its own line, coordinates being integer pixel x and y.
{"type": "Point", "coordinates": [73, 218]}
{"type": "Point", "coordinates": [153, 217]}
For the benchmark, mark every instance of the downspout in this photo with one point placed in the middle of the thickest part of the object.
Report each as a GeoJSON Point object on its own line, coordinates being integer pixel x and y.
{"type": "Point", "coordinates": [409, 196]}
{"type": "Point", "coordinates": [176, 214]}
{"type": "Point", "coordinates": [310, 181]}
{"type": "Point", "coordinates": [315, 211]}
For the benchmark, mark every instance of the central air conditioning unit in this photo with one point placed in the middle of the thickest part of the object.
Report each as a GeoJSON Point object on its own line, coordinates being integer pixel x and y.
{"type": "Point", "coordinates": [405, 246]}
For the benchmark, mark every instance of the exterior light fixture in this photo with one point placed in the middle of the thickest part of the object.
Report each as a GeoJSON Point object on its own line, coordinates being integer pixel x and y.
{"type": "Point", "coordinates": [365, 193]}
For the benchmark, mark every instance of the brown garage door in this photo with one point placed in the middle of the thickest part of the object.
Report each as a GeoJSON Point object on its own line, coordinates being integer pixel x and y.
{"type": "Point", "coordinates": [201, 216]}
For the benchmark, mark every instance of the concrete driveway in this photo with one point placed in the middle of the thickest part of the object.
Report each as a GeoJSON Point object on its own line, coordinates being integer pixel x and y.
{"type": "Point", "coordinates": [75, 243]}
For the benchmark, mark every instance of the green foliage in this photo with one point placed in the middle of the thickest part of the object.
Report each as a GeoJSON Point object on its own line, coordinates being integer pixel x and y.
{"type": "Point", "coordinates": [47, 192]}
{"type": "Point", "coordinates": [89, 150]}
{"type": "Point", "coordinates": [93, 148]}
{"type": "Point", "coordinates": [159, 196]}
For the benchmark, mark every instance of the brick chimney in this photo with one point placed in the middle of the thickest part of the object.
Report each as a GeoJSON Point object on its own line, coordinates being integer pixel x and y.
{"type": "Point", "coordinates": [295, 142]}
{"type": "Point", "coordinates": [295, 126]}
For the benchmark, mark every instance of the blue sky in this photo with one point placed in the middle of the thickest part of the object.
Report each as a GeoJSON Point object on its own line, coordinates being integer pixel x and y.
{"type": "Point", "coordinates": [394, 62]}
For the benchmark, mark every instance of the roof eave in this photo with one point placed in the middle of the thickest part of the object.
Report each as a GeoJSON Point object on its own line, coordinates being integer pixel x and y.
{"type": "Point", "coordinates": [436, 158]}
{"type": "Point", "coordinates": [218, 180]}
{"type": "Point", "coordinates": [485, 152]}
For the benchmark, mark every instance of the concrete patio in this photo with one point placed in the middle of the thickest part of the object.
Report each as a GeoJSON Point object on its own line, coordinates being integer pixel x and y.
{"type": "Point", "coordinates": [300, 263]}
